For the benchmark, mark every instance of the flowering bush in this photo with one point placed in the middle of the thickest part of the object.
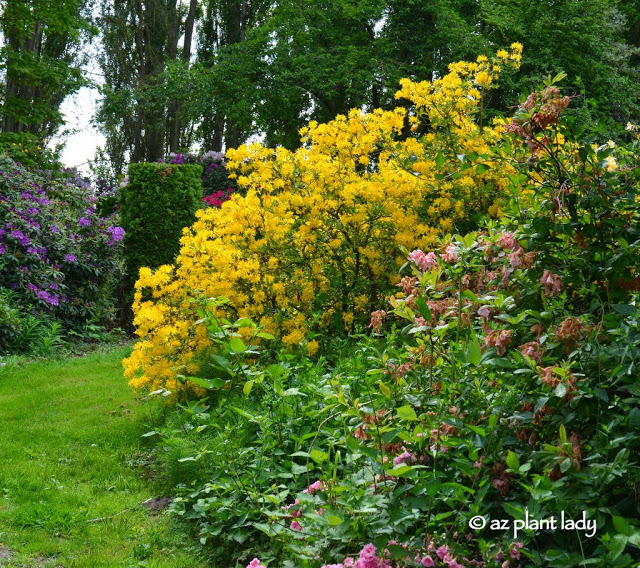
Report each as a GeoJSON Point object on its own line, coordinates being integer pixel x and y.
{"type": "Point", "coordinates": [496, 402]}
{"type": "Point", "coordinates": [319, 229]}
{"type": "Point", "coordinates": [586, 201]}
{"type": "Point", "coordinates": [508, 397]}
{"type": "Point", "coordinates": [56, 253]}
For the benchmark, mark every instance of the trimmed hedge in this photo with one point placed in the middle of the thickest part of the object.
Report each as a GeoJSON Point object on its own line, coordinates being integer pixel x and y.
{"type": "Point", "coordinates": [156, 203]}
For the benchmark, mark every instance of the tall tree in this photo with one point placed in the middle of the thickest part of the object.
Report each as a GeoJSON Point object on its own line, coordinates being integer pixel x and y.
{"type": "Point", "coordinates": [586, 39]}
{"type": "Point", "coordinates": [140, 118]}
{"type": "Point", "coordinates": [421, 38]}
{"type": "Point", "coordinates": [310, 59]}
{"type": "Point", "coordinates": [230, 69]}
{"type": "Point", "coordinates": [268, 66]}
{"type": "Point", "coordinates": [41, 58]}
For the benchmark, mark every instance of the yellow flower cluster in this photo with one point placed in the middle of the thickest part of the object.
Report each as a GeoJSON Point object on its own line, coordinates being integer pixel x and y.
{"type": "Point", "coordinates": [315, 242]}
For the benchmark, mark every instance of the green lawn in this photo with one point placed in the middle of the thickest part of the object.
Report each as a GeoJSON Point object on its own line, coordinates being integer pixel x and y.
{"type": "Point", "coordinates": [70, 454]}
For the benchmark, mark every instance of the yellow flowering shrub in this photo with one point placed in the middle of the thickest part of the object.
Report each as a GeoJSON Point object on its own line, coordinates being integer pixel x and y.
{"type": "Point", "coordinates": [315, 243]}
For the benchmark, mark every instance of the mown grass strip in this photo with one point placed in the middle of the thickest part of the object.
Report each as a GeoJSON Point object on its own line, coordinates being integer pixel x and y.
{"type": "Point", "coordinates": [70, 488]}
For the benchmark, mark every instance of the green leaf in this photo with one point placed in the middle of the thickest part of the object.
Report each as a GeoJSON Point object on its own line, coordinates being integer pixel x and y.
{"type": "Point", "coordinates": [458, 487]}
{"type": "Point", "coordinates": [525, 467]}
{"type": "Point", "coordinates": [247, 387]}
{"type": "Point", "coordinates": [275, 370]}
{"type": "Point", "coordinates": [237, 345]}
{"type": "Point", "coordinates": [481, 168]}
{"type": "Point", "coordinates": [244, 413]}
{"type": "Point", "coordinates": [635, 539]}
{"type": "Point", "coordinates": [540, 403]}
{"type": "Point", "coordinates": [335, 520]}
{"type": "Point", "coordinates": [560, 390]}
{"type": "Point", "coordinates": [388, 437]}
{"type": "Point", "coordinates": [622, 526]}
{"type": "Point", "coordinates": [468, 294]}
{"type": "Point", "coordinates": [396, 551]}
{"type": "Point", "coordinates": [559, 77]}
{"type": "Point", "coordinates": [214, 383]}
{"type": "Point", "coordinates": [423, 308]}
{"type": "Point", "coordinates": [400, 471]}
{"type": "Point", "coordinates": [204, 383]}
{"type": "Point", "coordinates": [440, 159]}
{"type": "Point", "coordinates": [624, 309]}
{"type": "Point", "coordinates": [474, 352]}
{"type": "Point", "coordinates": [617, 545]}
{"type": "Point", "coordinates": [220, 361]}
{"type": "Point", "coordinates": [512, 461]}
{"type": "Point", "coordinates": [562, 434]}
{"type": "Point", "coordinates": [318, 456]}
{"type": "Point", "coordinates": [298, 469]}
{"type": "Point", "coordinates": [501, 362]}
{"type": "Point", "coordinates": [293, 391]}
{"type": "Point", "coordinates": [480, 431]}
{"type": "Point", "coordinates": [265, 335]}
{"type": "Point", "coordinates": [384, 389]}
{"type": "Point", "coordinates": [406, 413]}
{"type": "Point", "coordinates": [634, 417]}
{"type": "Point", "coordinates": [299, 454]}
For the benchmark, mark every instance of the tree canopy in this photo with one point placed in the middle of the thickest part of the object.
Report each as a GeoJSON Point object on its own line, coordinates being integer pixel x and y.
{"type": "Point", "coordinates": [213, 73]}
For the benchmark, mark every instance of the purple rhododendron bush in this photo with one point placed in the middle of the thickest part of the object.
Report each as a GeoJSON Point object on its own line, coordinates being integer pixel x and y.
{"type": "Point", "coordinates": [487, 416]}
{"type": "Point", "coordinates": [58, 256]}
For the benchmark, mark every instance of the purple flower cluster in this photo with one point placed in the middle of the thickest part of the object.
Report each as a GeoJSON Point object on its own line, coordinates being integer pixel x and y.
{"type": "Point", "coordinates": [117, 234]}
{"type": "Point", "coordinates": [20, 237]}
{"type": "Point", "coordinates": [53, 243]}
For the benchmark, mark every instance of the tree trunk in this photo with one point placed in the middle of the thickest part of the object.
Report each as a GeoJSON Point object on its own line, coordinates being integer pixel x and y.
{"type": "Point", "coordinates": [18, 90]}
{"type": "Point", "coordinates": [175, 113]}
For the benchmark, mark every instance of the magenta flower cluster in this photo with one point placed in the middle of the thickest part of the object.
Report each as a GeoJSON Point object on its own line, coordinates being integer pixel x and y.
{"type": "Point", "coordinates": [366, 559]}
{"type": "Point", "coordinates": [218, 198]}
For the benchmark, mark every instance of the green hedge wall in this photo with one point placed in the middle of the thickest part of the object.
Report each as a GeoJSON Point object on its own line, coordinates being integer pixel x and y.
{"type": "Point", "coordinates": [158, 201]}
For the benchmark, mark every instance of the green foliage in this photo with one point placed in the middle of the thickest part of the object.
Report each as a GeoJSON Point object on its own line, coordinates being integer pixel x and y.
{"type": "Point", "coordinates": [142, 112]}
{"type": "Point", "coordinates": [217, 186]}
{"type": "Point", "coordinates": [584, 39]}
{"type": "Point", "coordinates": [270, 67]}
{"type": "Point", "coordinates": [38, 336]}
{"type": "Point", "coordinates": [26, 148]}
{"type": "Point", "coordinates": [41, 59]}
{"type": "Point", "coordinates": [156, 203]}
{"type": "Point", "coordinates": [9, 320]}
{"type": "Point", "coordinates": [411, 436]}
{"type": "Point", "coordinates": [584, 218]}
